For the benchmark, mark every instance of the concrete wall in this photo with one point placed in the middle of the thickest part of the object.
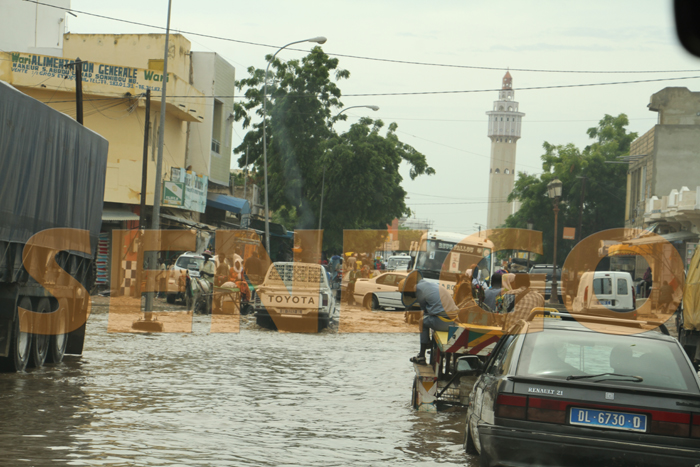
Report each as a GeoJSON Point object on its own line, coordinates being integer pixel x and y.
{"type": "Point", "coordinates": [676, 106]}
{"type": "Point", "coordinates": [214, 76]}
{"type": "Point", "coordinates": [29, 27]}
{"type": "Point", "coordinates": [677, 158]}
{"type": "Point", "coordinates": [134, 50]}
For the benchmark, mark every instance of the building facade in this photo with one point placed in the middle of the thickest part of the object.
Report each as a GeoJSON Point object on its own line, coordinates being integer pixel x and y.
{"type": "Point", "coordinates": [505, 123]}
{"type": "Point", "coordinates": [663, 164]}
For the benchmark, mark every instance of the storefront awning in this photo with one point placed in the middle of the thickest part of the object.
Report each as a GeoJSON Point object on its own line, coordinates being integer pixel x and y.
{"type": "Point", "coordinates": [641, 245]}
{"type": "Point", "coordinates": [118, 215]}
{"type": "Point", "coordinates": [228, 203]}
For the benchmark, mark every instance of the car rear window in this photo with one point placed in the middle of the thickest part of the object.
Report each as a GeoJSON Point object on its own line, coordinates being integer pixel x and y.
{"type": "Point", "coordinates": [622, 287]}
{"type": "Point", "coordinates": [602, 286]}
{"type": "Point", "coordinates": [190, 262]}
{"type": "Point", "coordinates": [560, 353]}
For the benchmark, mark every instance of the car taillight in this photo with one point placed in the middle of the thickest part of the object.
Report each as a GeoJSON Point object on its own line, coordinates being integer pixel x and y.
{"type": "Point", "coordinates": [546, 410]}
{"type": "Point", "coordinates": [585, 295]}
{"type": "Point", "coordinates": [670, 423]}
{"type": "Point", "coordinates": [511, 406]}
{"type": "Point", "coordinates": [695, 427]}
{"type": "Point", "coordinates": [324, 299]}
{"type": "Point", "coordinates": [634, 299]}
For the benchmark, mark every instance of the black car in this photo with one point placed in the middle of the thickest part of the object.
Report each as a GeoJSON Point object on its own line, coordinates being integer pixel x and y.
{"type": "Point", "coordinates": [556, 392]}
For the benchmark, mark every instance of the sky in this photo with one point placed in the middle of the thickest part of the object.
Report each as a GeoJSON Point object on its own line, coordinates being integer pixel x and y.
{"type": "Point", "coordinates": [450, 129]}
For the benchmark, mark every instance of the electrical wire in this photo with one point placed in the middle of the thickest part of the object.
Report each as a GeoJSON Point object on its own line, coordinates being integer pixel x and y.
{"type": "Point", "coordinates": [358, 57]}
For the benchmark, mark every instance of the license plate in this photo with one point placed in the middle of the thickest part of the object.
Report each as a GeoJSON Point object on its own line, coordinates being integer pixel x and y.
{"type": "Point", "coordinates": [607, 419]}
{"type": "Point", "coordinates": [605, 302]}
{"type": "Point", "coordinates": [297, 312]}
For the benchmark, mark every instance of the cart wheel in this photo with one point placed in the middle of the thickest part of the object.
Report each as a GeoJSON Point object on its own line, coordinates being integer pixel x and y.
{"type": "Point", "coordinates": [414, 395]}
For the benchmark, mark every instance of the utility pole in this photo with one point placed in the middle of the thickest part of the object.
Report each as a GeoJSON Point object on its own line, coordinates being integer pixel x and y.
{"type": "Point", "coordinates": [144, 170]}
{"type": "Point", "coordinates": [245, 175]}
{"type": "Point", "coordinates": [78, 64]}
{"type": "Point", "coordinates": [147, 323]}
{"type": "Point", "coordinates": [580, 207]}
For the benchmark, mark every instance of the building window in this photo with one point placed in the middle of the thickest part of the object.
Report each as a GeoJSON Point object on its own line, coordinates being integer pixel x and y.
{"type": "Point", "coordinates": [498, 171]}
{"type": "Point", "coordinates": [510, 109]}
{"type": "Point", "coordinates": [506, 171]}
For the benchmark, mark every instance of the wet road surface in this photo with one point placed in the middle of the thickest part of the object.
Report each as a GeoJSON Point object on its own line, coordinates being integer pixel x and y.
{"type": "Point", "coordinates": [250, 398]}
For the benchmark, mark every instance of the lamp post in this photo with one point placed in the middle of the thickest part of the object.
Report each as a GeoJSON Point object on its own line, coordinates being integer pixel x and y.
{"type": "Point", "coordinates": [530, 226]}
{"type": "Point", "coordinates": [318, 40]}
{"type": "Point", "coordinates": [323, 180]}
{"type": "Point", "coordinates": [554, 193]}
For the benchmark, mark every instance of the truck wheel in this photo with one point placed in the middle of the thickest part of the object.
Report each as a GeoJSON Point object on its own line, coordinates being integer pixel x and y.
{"type": "Point", "coordinates": [170, 298]}
{"type": "Point", "coordinates": [264, 321]}
{"type": "Point", "coordinates": [58, 341]}
{"type": "Point", "coordinates": [40, 342]}
{"type": "Point", "coordinates": [20, 342]}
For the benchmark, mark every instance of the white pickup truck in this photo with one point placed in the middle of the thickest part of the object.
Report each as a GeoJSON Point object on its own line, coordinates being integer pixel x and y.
{"type": "Point", "coordinates": [295, 297]}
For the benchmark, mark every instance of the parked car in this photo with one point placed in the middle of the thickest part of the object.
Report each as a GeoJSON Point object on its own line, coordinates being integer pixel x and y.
{"type": "Point", "coordinates": [567, 395]}
{"type": "Point", "coordinates": [541, 280]}
{"type": "Point", "coordinates": [186, 262]}
{"type": "Point", "coordinates": [295, 297]}
{"type": "Point", "coordinates": [605, 290]}
{"type": "Point", "coordinates": [380, 292]}
{"type": "Point", "coordinates": [398, 263]}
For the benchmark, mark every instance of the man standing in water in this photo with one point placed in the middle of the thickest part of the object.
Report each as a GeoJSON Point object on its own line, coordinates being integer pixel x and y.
{"type": "Point", "coordinates": [439, 310]}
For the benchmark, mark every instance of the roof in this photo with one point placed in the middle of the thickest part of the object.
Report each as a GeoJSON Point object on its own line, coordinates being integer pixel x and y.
{"type": "Point", "coordinates": [118, 214]}
{"type": "Point", "coordinates": [228, 203]}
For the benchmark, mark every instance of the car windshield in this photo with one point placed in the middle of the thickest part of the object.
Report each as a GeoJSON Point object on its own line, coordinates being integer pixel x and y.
{"type": "Point", "coordinates": [559, 354]}
{"type": "Point", "coordinates": [547, 271]}
{"type": "Point", "coordinates": [189, 262]}
{"type": "Point", "coordinates": [444, 260]}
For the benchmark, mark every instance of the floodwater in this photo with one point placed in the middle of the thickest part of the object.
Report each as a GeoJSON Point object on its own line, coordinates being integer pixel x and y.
{"type": "Point", "coordinates": [219, 399]}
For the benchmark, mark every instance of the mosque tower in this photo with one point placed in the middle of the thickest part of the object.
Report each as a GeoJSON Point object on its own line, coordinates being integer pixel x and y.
{"type": "Point", "coordinates": [504, 130]}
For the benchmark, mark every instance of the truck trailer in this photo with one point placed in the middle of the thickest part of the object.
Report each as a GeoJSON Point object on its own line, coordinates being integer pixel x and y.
{"type": "Point", "coordinates": [52, 180]}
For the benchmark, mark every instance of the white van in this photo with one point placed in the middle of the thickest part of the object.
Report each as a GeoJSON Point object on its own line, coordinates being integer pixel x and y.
{"type": "Point", "coordinates": [398, 263]}
{"type": "Point", "coordinates": [600, 290]}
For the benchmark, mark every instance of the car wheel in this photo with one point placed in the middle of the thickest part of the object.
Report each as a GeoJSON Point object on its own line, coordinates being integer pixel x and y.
{"type": "Point", "coordinates": [468, 443]}
{"type": "Point", "coordinates": [367, 302]}
{"type": "Point", "coordinates": [375, 303]}
{"type": "Point", "coordinates": [170, 298]}
{"type": "Point", "coordinates": [40, 342]}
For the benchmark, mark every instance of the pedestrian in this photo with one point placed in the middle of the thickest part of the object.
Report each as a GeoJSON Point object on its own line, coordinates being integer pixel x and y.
{"type": "Point", "coordinates": [253, 265]}
{"type": "Point", "coordinates": [524, 299]}
{"type": "Point", "coordinates": [207, 272]}
{"type": "Point", "coordinates": [494, 298]}
{"type": "Point", "coordinates": [352, 278]}
{"type": "Point", "coordinates": [439, 310]}
{"type": "Point", "coordinates": [648, 280]}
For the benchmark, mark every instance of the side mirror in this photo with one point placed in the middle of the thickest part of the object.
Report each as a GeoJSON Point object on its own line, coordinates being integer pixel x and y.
{"type": "Point", "coordinates": [469, 365]}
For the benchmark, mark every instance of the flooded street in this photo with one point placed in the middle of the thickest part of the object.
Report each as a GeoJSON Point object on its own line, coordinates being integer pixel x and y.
{"type": "Point", "coordinates": [252, 398]}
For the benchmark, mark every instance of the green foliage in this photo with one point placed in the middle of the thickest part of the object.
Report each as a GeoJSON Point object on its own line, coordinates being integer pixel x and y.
{"type": "Point", "coordinates": [605, 191]}
{"type": "Point", "coordinates": [362, 182]}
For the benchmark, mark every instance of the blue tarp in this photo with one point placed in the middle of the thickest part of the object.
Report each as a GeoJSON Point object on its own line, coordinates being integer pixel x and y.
{"type": "Point", "coordinates": [228, 203]}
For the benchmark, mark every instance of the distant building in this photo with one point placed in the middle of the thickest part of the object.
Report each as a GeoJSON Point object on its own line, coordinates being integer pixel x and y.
{"type": "Point", "coordinates": [504, 131]}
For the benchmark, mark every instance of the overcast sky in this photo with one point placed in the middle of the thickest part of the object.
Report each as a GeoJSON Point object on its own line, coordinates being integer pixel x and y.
{"type": "Point", "coordinates": [450, 129]}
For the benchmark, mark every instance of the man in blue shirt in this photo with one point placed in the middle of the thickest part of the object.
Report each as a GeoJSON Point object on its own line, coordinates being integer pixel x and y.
{"type": "Point", "coordinates": [439, 309]}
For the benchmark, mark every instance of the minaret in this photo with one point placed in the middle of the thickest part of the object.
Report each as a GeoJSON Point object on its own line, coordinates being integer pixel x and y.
{"type": "Point", "coordinates": [504, 131]}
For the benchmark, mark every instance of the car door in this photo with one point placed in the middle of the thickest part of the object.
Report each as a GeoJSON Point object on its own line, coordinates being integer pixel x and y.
{"type": "Point", "coordinates": [485, 389]}
{"type": "Point", "coordinates": [391, 297]}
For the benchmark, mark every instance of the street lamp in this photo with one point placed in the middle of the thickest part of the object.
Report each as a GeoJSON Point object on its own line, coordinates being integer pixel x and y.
{"type": "Point", "coordinates": [554, 193]}
{"type": "Point", "coordinates": [323, 180]}
{"type": "Point", "coordinates": [530, 226]}
{"type": "Point", "coordinates": [318, 40]}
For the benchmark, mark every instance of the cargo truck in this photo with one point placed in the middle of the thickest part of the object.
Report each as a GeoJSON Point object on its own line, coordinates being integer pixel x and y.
{"type": "Point", "coordinates": [52, 179]}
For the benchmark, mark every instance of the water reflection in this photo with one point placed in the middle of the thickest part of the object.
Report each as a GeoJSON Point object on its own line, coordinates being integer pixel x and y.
{"type": "Point", "coordinates": [254, 398]}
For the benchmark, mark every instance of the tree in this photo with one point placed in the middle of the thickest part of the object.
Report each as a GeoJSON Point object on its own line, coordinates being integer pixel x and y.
{"type": "Point", "coordinates": [604, 205]}
{"type": "Point", "coordinates": [362, 180]}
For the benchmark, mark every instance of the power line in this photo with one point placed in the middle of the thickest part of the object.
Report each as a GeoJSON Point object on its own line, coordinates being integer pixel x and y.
{"type": "Point", "coordinates": [376, 59]}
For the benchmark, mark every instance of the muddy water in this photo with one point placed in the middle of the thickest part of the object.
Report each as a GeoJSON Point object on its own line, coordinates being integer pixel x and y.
{"type": "Point", "coordinates": [251, 398]}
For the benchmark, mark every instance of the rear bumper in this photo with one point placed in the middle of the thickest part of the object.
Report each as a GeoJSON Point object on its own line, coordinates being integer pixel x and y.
{"type": "Point", "coordinates": [517, 447]}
